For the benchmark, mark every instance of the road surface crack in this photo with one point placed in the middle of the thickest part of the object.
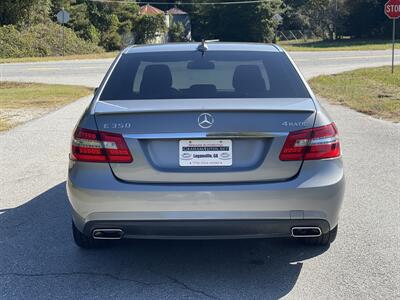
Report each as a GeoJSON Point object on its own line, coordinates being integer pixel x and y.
{"type": "Point", "coordinates": [193, 290]}
{"type": "Point", "coordinates": [184, 285]}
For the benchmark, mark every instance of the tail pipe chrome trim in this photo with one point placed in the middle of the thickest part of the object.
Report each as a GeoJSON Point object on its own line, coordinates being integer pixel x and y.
{"type": "Point", "coordinates": [107, 234]}
{"type": "Point", "coordinates": [300, 231]}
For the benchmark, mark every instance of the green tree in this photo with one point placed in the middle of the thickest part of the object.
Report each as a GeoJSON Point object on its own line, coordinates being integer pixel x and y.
{"type": "Point", "coordinates": [295, 17]}
{"type": "Point", "coordinates": [367, 20]}
{"type": "Point", "coordinates": [111, 40]}
{"type": "Point", "coordinates": [39, 12]}
{"type": "Point", "coordinates": [148, 27]}
{"type": "Point", "coordinates": [14, 12]}
{"type": "Point", "coordinates": [127, 15]}
{"type": "Point", "coordinates": [321, 14]}
{"type": "Point", "coordinates": [325, 18]}
{"type": "Point", "coordinates": [241, 22]}
{"type": "Point", "coordinates": [81, 24]}
{"type": "Point", "coordinates": [57, 5]}
{"type": "Point", "coordinates": [176, 32]}
{"type": "Point", "coordinates": [262, 27]}
{"type": "Point", "coordinates": [116, 29]}
{"type": "Point", "coordinates": [24, 12]}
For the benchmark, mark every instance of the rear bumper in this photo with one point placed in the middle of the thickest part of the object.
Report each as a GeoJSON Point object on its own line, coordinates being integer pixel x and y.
{"type": "Point", "coordinates": [205, 229]}
{"type": "Point", "coordinates": [312, 198]}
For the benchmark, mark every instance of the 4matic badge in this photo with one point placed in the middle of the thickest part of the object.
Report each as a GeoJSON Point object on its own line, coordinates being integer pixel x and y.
{"type": "Point", "coordinates": [294, 124]}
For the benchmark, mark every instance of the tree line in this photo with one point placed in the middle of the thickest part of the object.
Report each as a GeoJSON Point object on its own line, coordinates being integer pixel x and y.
{"type": "Point", "coordinates": [338, 18]}
{"type": "Point", "coordinates": [112, 25]}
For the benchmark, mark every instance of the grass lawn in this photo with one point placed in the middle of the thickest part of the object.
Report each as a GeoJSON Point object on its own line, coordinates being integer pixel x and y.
{"type": "Point", "coordinates": [337, 45]}
{"type": "Point", "coordinates": [52, 58]}
{"type": "Point", "coordinates": [20, 102]}
{"type": "Point", "coordinates": [374, 91]}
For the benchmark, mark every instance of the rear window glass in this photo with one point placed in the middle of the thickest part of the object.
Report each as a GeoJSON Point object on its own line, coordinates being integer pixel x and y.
{"type": "Point", "coordinates": [216, 74]}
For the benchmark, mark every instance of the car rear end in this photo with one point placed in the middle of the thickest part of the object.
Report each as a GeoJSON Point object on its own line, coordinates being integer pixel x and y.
{"type": "Point", "coordinates": [226, 142]}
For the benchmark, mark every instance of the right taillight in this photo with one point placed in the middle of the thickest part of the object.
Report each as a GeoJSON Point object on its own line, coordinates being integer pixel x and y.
{"type": "Point", "coordinates": [314, 143]}
{"type": "Point", "coordinates": [99, 146]}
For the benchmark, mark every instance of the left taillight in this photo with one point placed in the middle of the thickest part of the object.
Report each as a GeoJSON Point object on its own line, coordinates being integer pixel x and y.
{"type": "Point", "coordinates": [99, 146]}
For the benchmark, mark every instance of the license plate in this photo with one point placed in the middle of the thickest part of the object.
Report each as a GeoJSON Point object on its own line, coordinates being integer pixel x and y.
{"type": "Point", "coordinates": [205, 153]}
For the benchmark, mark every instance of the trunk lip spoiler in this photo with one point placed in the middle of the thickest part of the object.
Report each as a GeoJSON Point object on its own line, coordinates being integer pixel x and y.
{"type": "Point", "coordinates": [199, 135]}
{"type": "Point", "coordinates": [221, 104]}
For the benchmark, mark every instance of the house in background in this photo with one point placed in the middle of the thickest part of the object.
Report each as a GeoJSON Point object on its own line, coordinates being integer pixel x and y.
{"type": "Point", "coordinates": [172, 15]}
{"type": "Point", "coordinates": [150, 10]}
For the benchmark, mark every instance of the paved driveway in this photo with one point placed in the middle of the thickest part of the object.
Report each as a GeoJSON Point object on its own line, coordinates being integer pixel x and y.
{"type": "Point", "coordinates": [38, 257]}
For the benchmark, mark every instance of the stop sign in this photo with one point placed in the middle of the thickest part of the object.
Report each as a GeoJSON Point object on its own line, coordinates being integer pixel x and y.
{"type": "Point", "coordinates": [392, 9]}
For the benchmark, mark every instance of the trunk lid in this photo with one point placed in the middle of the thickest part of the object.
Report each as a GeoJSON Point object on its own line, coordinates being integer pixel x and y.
{"type": "Point", "coordinates": [256, 129]}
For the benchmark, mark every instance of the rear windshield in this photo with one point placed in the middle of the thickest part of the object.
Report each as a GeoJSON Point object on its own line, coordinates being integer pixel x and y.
{"type": "Point", "coordinates": [216, 74]}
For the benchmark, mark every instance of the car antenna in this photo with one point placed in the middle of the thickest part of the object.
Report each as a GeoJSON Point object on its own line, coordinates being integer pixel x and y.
{"type": "Point", "coordinates": [202, 47]}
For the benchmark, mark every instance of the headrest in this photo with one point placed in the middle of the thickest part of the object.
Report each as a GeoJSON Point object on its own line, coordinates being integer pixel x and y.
{"type": "Point", "coordinates": [247, 79]}
{"type": "Point", "coordinates": [155, 77]}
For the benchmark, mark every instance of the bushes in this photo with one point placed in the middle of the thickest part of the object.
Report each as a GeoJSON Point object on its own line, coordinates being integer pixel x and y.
{"type": "Point", "coordinates": [42, 40]}
{"type": "Point", "coordinates": [12, 43]}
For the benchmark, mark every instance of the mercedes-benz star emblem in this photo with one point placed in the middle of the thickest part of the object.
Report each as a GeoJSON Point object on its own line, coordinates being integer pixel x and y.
{"type": "Point", "coordinates": [205, 120]}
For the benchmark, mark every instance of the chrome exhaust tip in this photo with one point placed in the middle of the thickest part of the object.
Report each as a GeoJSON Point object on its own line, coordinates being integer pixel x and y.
{"type": "Point", "coordinates": [300, 232]}
{"type": "Point", "coordinates": [107, 234]}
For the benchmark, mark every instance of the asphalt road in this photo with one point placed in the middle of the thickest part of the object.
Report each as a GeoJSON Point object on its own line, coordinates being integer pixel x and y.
{"type": "Point", "coordinates": [90, 72]}
{"type": "Point", "coordinates": [39, 260]}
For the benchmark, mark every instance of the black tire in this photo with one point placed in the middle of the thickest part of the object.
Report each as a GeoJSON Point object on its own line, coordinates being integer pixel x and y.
{"type": "Point", "coordinates": [324, 239]}
{"type": "Point", "coordinates": [83, 241]}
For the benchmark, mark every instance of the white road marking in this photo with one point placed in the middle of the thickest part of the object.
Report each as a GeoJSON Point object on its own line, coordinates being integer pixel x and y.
{"type": "Point", "coordinates": [43, 69]}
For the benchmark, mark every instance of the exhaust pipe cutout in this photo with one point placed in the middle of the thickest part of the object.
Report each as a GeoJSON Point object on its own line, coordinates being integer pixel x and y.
{"type": "Point", "coordinates": [107, 234]}
{"type": "Point", "coordinates": [300, 232]}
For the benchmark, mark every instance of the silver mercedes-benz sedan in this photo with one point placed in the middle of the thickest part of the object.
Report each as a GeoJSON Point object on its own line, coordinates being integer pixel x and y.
{"type": "Point", "coordinates": [204, 141]}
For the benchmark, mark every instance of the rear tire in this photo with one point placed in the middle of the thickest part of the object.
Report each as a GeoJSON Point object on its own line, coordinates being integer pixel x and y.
{"type": "Point", "coordinates": [82, 240]}
{"type": "Point", "coordinates": [324, 239]}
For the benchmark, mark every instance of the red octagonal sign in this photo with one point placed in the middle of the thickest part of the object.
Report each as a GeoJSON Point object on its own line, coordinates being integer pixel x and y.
{"type": "Point", "coordinates": [392, 9]}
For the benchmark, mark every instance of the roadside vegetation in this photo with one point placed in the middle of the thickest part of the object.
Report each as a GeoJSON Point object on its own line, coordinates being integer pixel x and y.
{"type": "Point", "coordinates": [42, 40]}
{"type": "Point", "coordinates": [112, 54]}
{"type": "Point", "coordinates": [21, 102]}
{"type": "Point", "coordinates": [374, 91]}
{"type": "Point", "coordinates": [28, 28]}
{"type": "Point", "coordinates": [344, 44]}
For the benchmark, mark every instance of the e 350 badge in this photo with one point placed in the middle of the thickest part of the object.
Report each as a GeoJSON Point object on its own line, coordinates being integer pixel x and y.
{"type": "Point", "coordinates": [120, 125]}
